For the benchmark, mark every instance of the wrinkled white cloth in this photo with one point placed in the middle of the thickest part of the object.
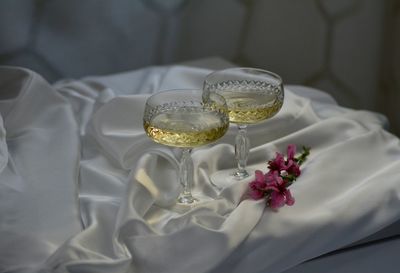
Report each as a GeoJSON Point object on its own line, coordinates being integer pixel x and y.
{"type": "Point", "coordinates": [83, 189]}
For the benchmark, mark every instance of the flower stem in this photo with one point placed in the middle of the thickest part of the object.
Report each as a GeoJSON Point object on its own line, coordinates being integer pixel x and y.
{"type": "Point", "coordinates": [303, 157]}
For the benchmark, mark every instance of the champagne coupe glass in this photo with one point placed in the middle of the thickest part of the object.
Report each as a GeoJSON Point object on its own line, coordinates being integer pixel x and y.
{"type": "Point", "coordinates": [252, 95]}
{"type": "Point", "coordinates": [185, 118]}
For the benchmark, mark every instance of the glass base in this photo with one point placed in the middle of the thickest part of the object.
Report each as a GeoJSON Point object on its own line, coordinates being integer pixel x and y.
{"type": "Point", "coordinates": [185, 203]}
{"type": "Point", "coordinates": [240, 174]}
{"type": "Point", "coordinates": [187, 199]}
{"type": "Point", "coordinates": [225, 178]}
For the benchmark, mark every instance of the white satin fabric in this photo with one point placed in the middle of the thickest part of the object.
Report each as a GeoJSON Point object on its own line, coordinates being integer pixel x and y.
{"type": "Point", "coordinates": [83, 189]}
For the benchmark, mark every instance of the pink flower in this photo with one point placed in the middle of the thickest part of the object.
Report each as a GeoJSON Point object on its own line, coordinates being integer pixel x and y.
{"type": "Point", "coordinates": [280, 195]}
{"type": "Point", "coordinates": [291, 151]}
{"type": "Point", "coordinates": [257, 187]}
{"type": "Point", "coordinates": [273, 179]}
{"type": "Point", "coordinates": [293, 168]}
{"type": "Point", "coordinates": [273, 186]}
{"type": "Point", "coordinates": [280, 198]}
{"type": "Point", "coordinates": [291, 165]}
{"type": "Point", "coordinates": [278, 163]}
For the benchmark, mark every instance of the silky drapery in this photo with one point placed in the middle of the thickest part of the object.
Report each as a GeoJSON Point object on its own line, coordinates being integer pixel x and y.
{"type": "Point", "coordinates": [83, 189]}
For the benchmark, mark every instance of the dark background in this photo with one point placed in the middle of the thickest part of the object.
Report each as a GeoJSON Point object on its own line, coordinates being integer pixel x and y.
{"type": "Point", "coordinates": [349, 48]}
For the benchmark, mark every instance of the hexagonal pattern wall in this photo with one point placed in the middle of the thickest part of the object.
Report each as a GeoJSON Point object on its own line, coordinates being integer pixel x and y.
{"type": "Point", "coordinates": [349, 48]}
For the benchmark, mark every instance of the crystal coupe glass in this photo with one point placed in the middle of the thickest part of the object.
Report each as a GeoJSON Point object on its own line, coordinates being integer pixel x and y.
{"type": "Point", "coordinates": [252, 95]}
{"type": "Point", "coordinates": [185, 119]}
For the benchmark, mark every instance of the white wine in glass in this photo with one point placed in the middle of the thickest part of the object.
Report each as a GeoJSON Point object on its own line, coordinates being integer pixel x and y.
{"type": "Point", "coordinates": [185, 119]}
{"type": "Point", "coordinates": [253, 96]}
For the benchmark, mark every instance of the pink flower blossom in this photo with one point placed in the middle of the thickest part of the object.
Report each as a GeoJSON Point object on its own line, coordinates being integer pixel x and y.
{"type": "Point", "coordinates": [257, 187]}
{"type": "Point", "coordinates": [278, 163]}
{"type": "Point", "coordinates": [280, 198]}
{"type": "Point", "coordinates": [291, 151]}
{"type": "Point", "coordinates": [273, 180]}
{"type": "Point", "coordinates": [293, 168]}
{"type": "Point", "coordinates": [291, 165]}
{"type": "Point", "coordinates": [280, 195]}
{"type": "Point", "coordinates": [272, 183]}
{"type": "Point", "coordinates": [282, 173]}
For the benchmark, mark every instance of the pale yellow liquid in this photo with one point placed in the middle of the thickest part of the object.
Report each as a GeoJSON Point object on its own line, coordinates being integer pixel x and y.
{"type": "Point", "coordinates": [186, 128]}
{"type": "Point", "coordinates": [247, 107]}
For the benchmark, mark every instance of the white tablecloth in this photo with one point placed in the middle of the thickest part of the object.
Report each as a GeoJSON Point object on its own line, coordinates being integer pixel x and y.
{"type": "Point", "coordinates": [83, 189]}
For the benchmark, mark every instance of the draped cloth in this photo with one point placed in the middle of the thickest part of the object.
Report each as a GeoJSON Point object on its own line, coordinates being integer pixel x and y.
{"type": "Point", "coordinates": [83, 189]}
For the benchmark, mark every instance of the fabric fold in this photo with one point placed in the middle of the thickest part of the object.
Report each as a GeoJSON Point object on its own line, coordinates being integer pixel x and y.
{"type": "Point", "coordinates": [83, 189]}
{"type": "Point", "coordinates": [38, 183]}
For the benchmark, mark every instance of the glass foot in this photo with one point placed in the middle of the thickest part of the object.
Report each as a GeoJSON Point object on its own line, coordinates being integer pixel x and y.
{"type": "Point", "coordinates": [185, 203]}
{"type": "Point", "coordinates": [240, 174]}
{"type": "Point", "coordinates": [187, 199]}
{"type": "Point", "coordinates": [225, 178]}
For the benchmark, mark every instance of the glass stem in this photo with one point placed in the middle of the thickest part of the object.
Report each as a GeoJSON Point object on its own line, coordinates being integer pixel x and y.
{"type": "Point", "coordinates": [186, 177]}
{"type": "Point", "coordinates": [242, 148]}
